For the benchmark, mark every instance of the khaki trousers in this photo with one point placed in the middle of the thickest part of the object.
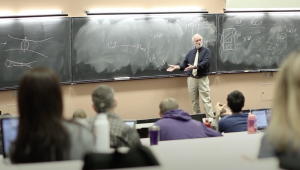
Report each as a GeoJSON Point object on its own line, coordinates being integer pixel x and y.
{"type": "Point", "coordinates": [200, 87]}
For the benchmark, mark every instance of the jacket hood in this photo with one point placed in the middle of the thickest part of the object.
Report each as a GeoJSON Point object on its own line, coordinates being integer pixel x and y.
{"type": "Point", "coordinates": [177, 114]}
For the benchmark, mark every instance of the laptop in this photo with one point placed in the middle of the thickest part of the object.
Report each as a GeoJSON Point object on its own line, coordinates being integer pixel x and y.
{"type": "Point", "coordinates": [9, 131]}
{"type": "Point", "coordinates": [130, 123]}
{"type": "Point", "coordinates": [263, 117]}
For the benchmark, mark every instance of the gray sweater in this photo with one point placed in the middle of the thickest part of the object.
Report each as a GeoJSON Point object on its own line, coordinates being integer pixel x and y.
{"type": "Point", "coordinates": [81, 141]}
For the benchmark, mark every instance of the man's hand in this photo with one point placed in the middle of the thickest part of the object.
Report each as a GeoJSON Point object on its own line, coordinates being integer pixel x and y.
{"type": "Point", "coordinates": [227, 112]}
{"type": "Point", "coordinates": [190, 67]}
{"type": "Point", "coordinates": [219, 108]}
{"type": "Point", "coordinates": [173, 67]}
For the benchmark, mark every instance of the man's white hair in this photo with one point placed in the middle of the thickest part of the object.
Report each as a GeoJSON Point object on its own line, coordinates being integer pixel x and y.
{"type": "Point", "coordinates": [195, 36]}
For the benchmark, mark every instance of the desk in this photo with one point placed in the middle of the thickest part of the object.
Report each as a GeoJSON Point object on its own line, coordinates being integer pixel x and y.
{"type": "Point", "coordinates": [143, 125]}
{"type": "Point", "coordinates": [146, 141]}
{"type": "Point", "coordinates": [64, 165]}
{"type": "Point", "coordinates": [233, 151]}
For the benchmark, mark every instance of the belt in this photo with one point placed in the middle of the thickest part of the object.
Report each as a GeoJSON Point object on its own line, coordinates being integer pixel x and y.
{"type": "Point", "coordinates": [197, 77]}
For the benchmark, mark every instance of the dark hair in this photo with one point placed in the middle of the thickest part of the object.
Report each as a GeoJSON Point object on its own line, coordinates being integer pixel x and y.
{"type": "Point", "coordinates": [103, 98]}
{"type": "Point", "coordinates": [235, 101]}
{"type": "Point", "coordinates": [41, 134]}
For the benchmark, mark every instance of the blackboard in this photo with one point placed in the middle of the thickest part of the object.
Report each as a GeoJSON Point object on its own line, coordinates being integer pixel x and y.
{"type": "Point", "coordinates": [107, 47]}
{"type": "Point", "coordinates": [256, 41]}
{"type": "Point", "coordinates": [30, 42]}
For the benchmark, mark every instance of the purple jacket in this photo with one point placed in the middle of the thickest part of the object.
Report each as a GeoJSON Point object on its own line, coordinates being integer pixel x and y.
{"type": "Point", "coordinates": [178, 124]}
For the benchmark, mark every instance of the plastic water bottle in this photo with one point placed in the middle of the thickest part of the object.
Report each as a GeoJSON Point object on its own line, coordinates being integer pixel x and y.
{"type": "Point", "coordinates": [154, 134]}
{"type": "Point", "coordinates": [251, 124]}
{"type": "Point", "coordinates": [101, 128]}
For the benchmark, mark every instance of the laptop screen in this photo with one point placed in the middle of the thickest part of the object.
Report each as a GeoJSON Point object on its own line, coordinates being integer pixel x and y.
{"type": "Point", "coordinates": [130, 123]}
{"type": "Point", "coordinates": [262, 116]}
{"type": "Point", "coordinates": [9, 130]}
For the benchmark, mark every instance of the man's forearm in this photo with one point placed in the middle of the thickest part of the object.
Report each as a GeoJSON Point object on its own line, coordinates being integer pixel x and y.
{"type": "Point", "coordinates": [218, 114]}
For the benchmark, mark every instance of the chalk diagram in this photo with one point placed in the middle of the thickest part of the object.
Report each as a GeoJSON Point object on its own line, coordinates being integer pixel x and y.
{"type": "Point", "coordinates": [159, 65]}
{"type": "Point", "coordinates": [228, 39]}
{"type": "Point", "coordinates": [25, 45]}
{"type": "Point", "coordinates": [10, 63]}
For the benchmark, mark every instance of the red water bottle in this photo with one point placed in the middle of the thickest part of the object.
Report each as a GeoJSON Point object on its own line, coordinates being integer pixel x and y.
{"type": "Point", "coordinates": [251, 124]}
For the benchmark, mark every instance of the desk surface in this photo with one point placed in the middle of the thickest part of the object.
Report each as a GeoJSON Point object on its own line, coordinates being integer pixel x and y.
{"type": "Point", "coordinates": [233, 151]}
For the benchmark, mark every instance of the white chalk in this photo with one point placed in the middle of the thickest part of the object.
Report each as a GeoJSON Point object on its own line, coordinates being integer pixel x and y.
{"type": "Point", "coordinates": [122, 78]}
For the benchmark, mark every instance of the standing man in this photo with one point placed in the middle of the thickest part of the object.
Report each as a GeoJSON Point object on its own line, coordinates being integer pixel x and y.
{"type": "Point", "coordinates": [197, 63]}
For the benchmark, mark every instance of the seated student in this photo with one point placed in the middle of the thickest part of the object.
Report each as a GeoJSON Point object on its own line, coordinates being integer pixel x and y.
{"type": "Point", "coordinates": [79, 113]}
{"type": "Point", "coordinates": [104, 102]}
{"type": "Point", "coordinates": [282, 137]}
{"type": "Point", "coordinates": [178, 124]}
{"type": "Point", "coordinates": [43, 134]}
{"type": "Point", "coordinates": [79, 116]}
{"type": "Point", "coordinates": [237, 121]}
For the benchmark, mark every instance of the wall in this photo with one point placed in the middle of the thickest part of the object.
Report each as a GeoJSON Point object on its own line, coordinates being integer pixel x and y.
{"type": "Point", "coordinates": [139, 99]}
{"type": "Point", "coordinates": [76, 8]}
{"type": "Point", "coordinates": [262, 4]}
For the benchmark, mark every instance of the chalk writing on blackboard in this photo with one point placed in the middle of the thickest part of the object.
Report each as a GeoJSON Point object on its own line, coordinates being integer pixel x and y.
{"type": "Point", "coordinates": [229, 39]}
{"type": "Point", "coordinates": [113, 45]}
{"type": "Point", "coordinates": [10, 63]}
{"type": "Point", "coordinates": [25, 45]}
{"type": "Point", "coordinates": [152, 58]}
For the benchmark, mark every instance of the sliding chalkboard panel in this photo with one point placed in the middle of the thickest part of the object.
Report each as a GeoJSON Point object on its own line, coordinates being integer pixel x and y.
{"type": "Point", "coordinates": [256, 41]}
{"type": "Point", "coordinates": [138, 46]}
{"type": "Point", "coordinates": [30, 42]}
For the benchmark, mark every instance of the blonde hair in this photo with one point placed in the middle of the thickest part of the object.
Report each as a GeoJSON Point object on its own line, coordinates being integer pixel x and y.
{"type": "Point", "coordinates": [79, 113]}
{"type": "Point", "coordinates": [168, 104]}
{"type": "Point", "coordinates": [284, 130]}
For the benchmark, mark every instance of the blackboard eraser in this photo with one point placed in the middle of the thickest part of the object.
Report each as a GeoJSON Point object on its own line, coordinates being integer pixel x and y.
{"type": "Point", "coordinates": [246, 71]}
{"type": "Point", "coordinates": [122, 78]}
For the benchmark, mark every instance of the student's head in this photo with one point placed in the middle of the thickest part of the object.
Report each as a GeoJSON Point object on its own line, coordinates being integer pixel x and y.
{"type": "Point", "coordinates": [284, 128]}
{"type": "Point", "coordinates": [79, 113]}
{"type": "Point", "coordinates": [166, 105]}
{"type": "Point", "coordinates": [104, 99]}
{"type": "Point", "coordinates": [39, 96]}
{"type": "Point", "coordinates": [235, 101]}
{"type": "Point", "coordinates": [40, 130]}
